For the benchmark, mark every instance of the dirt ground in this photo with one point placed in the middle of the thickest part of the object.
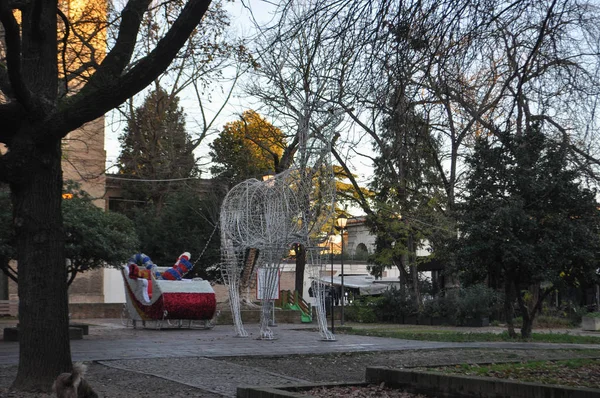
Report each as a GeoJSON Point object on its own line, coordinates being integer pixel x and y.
{"type": "Point", "coordinates": [112, 382]}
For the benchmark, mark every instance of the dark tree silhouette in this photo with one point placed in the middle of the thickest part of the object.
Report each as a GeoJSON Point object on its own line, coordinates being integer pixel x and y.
{"type": "Point", "coordinates": [35, 115]}
{"type": "Point", "coordinates": [528, 221]}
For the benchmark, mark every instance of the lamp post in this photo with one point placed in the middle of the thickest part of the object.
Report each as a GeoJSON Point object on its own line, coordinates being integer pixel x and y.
{"type": "Point", "coordinates": [331, 289]}
{"type": "Point", "coordinates": [341, 223]}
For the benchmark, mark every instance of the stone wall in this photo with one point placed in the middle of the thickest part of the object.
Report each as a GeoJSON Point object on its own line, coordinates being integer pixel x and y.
{"type": "Point", "coordinates": [287, 282]}
{"type": "Point", "coordinates": [88, 287]}
{"type": "Point", "coordinates": [85, 158]}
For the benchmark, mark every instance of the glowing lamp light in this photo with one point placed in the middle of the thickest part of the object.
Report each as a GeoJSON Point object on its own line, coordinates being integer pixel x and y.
{"type": "Point", "coordinates": [268, 177]}
{"type": "Point", "coordinates": [341, 221]}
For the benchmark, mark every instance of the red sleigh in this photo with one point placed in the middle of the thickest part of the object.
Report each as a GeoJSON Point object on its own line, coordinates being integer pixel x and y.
{"type": "Point", "coordinates": [149, 298]}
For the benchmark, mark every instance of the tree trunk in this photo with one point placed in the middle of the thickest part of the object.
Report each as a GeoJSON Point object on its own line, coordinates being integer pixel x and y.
{"type": "Point", "coordinates": [44, 350]}
{"type": "Point", "coordinates": [403, 274]}
{"type": "Point", "coordinates": [247, 278]}
{"type": "Point", "coordinates": [531, 307]}
{"type": "Point", "coordinates": [509, 312]}
{"type": "Point", "coordinates": [412, 257]}
{"type": "Point", "coordinates": [527, 327]}
{"type": "Point", "coordinates": [300, 267]}
{"type": "Point", "coordinates": [528, 317]}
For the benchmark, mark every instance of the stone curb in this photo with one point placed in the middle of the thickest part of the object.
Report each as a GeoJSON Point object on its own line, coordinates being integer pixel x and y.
{"type": "Point", "coordinates": [448, 385]}
{"type": "Point", "coordinates": [432, 384]}
{"type": "Point", "coordinates": [295, 391]}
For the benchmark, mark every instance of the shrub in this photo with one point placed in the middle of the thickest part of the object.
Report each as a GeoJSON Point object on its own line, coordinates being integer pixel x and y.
{"type": "Point", "coordinates": [476, 301]}
{"type": "Point", "coordinates": [395, 304]}
{"type": "Point", "coordinates": [431, 307]}
{"type": "Point", "coordinates": [441, 306]}
{"type": "Point", "coordinates": [545, 321]}
{"type": "Point", "coordinates": [457, 305]}
{"type": "Point", "coordinates": [364, 310]}
{"type": "Point", "coordinates": [575, 313]}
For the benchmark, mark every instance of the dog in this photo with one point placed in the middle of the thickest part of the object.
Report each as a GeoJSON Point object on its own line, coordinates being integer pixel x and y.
{"type": "Point", "coordinates": [73, 385]}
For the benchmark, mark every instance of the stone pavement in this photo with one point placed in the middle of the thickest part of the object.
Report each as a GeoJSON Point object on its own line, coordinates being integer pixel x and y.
{"type": "Point", "coordinates": [218, 377]}
{"type": "Point", "coordinates": [130, 349]}
{"type": "Point", "coordinates": [109, 340]}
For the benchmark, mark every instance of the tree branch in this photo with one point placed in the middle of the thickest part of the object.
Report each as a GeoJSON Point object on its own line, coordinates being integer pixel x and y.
{"type": "Point", "coordinates": [5, 82]}
{"type": "Point", "coordinates": [8, 270]}
{"type": "Point", "coordinates": [12, 39]}
{"type": "Point", "coordinates": [363, 202]}
{"type": "Point", "coordinates": [72, 272]}
{"type": "Point", "coordinates": [65, 40]}
{"type": "Point", "coordinates": [10, 118]}
{"type": "Point", "coordinates": [107, 89]}
{"type": "Point", "coordinates": [119, 57]}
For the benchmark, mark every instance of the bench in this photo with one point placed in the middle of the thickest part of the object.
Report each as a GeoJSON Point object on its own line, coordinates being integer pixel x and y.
{"type": "Point", "coordinates": [85, 328]}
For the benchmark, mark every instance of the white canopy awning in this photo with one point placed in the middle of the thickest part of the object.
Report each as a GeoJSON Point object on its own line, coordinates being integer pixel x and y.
{"type": "Point", "coordinates": [366, 284]}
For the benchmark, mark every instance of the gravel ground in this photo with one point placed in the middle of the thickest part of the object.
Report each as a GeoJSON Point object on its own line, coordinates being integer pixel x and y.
{"type": "Point", "coordinates": [212, 378]}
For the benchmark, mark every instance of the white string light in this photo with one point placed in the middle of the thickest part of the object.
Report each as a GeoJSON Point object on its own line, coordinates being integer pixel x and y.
{"type": "Point", "coordinates": [274, 214]}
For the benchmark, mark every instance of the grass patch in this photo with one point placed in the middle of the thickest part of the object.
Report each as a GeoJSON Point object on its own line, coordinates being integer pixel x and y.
{"type": "Point", "coordinates": [460, 337]}
{"type": "Point", "coordinates": [573, 372]}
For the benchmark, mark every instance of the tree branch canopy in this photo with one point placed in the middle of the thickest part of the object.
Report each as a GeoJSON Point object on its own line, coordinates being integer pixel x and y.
{"type": "Point", "coordinates": [109, 88]}
{"type": "Point", "coordinates": [13, 55]}
{"type": "Point", "coordinates": [116, 61]}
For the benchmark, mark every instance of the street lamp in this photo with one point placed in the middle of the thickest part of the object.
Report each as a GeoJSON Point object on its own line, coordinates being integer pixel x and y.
{"type": "Point", "coordinates": [341, 223]}
{"type": "Point", "coordinates": [332, 308]}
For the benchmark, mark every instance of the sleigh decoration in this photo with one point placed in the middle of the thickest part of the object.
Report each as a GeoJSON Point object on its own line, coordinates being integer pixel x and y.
{"type": "Point", "coordinates": [161, 294]}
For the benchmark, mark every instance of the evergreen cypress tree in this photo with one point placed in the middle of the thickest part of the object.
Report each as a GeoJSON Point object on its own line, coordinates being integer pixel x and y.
{"type": "Point", "coordinates": [156, 150]}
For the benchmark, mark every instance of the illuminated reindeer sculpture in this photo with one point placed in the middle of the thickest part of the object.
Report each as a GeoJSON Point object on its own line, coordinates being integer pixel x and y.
{"type": "Point", "coordinates": [268, 217]}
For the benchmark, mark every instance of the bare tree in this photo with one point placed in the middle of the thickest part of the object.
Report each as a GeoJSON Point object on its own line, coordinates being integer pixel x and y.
{"type": "Point", "coordinates": [35, 117]}
{"type": "Point", "coordinates": [294, 84]}
{"type": "Point", "coordinates": [205, 71]}
{"type": "Point", "coordinates": [379, 54]}
{"type": "Point", "coordinates": [538, 70]}
{"type": "Point", "coordinates": [467, 69]}
{"type": "Point", "coordinates": [461, 68]}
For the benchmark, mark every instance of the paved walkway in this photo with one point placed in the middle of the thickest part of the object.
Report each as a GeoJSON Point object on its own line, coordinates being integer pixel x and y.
{"type": "Point", "coordinates": [109, 340]}
{"type": "Point", "coordinates": [195, 350]}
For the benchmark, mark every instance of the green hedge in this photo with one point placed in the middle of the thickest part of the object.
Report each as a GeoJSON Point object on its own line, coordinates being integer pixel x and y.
{"type": "Point", "coordinates": [396, 305]}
